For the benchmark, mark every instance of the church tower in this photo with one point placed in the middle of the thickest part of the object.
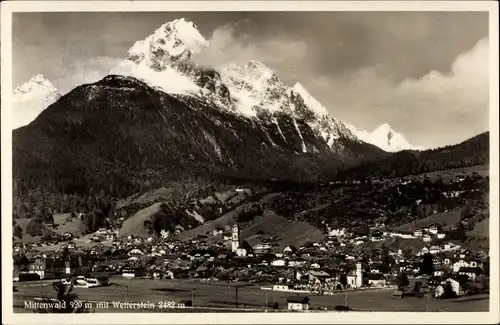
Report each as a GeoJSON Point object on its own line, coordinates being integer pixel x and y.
{"type": "Point", "coordinates": [235, 238]}
{"type": "Point", "coordinates": [359, 275]}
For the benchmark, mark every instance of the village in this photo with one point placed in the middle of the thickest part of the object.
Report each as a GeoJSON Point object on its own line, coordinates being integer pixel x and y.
{"type": "Point", "coordinates": [441, 268]}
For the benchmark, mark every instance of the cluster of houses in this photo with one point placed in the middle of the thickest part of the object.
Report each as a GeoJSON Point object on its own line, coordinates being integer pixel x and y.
{"type": "Point", "coordinates": [314, 268]}
{"type": "Point", "coordinates": [378, 232]}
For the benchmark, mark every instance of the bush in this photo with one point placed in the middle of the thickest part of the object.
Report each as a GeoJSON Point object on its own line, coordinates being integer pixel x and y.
{"type": "Point", "coordinates": [35, 227]}
{"type": "Point", "coordinates": [18, 232]}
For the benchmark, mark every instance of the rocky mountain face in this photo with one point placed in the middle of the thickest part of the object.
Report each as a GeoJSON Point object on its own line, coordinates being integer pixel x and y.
{"type": "Point", "coordinates": [163, 117]}
{"type": "Point", "coordinates": [120, 130]}
{"type": "Point", "coordinates": [31, 98]}
{"type": "Point", "coordinates": [162, 60]}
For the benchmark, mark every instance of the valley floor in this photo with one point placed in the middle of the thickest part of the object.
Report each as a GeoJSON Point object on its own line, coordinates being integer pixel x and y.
{"type": "Point", "coordinates": [220, 296]}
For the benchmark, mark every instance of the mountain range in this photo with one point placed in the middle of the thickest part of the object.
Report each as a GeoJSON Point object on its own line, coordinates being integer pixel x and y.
{"type": "Point", "coordinates": [162, 60]}
{"type": "Point", "coordinates": [158, 116]}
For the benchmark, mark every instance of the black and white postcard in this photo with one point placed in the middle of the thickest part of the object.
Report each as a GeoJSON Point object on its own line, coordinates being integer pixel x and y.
{"type": "Point", "coordinates": [249, 162]}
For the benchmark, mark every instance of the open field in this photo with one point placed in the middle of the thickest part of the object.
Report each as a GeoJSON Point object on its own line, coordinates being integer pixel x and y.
{"type": "Point", "coordinates": [83, 242]}
{"type": "Point", "coordinates": [223, 294]}
{"type": "Point", "coordinates": [267, 225]}
{"type": "Point", "coordinates": [450, 174]}
{"type": "Point", "coordinates": [447, 175]}
{"type": "Point", "coordinates": [444, 219]}
{"type": "Point", "coordinates": [135, 224]}
{"type": "Point", "coordinates": [481, 229]}
{"type": "Point", "coordinates": [64, 224]}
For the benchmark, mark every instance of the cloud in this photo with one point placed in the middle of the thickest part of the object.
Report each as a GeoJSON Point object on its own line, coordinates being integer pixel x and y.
{"type": "Point", "coordinates": [86, 71]}
{"type": "Point", "coordinates": [228, 45]}
{"type": "Point", "coordinates": [437, 109]}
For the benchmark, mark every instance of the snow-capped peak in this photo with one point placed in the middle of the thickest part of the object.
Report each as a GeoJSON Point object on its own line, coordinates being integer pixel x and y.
{"type": "Point", "coordinates": [383, 128]}
{"type": "Point", "coordinates": [385, 138]}
{"type": "Point", "coordinates": [162, 60]}
{"type": "Point", "coordinates": [39, 84]}
{"type": "Point", "coordinates": [309, 100]}
{"type": "Point", "coordinates": [254, 86]}
{"type": "Point", "coordinates": [173, 41]}
{"type": "Point", "coordinates": [31, 98]}
{"type": "Point", "coordinates": [156, 59]}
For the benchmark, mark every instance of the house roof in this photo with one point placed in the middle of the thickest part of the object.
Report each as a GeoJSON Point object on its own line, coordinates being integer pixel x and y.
{"type": "Point", "coordinates": [475, 270]}
{"type": "Point", "coordinates": [21, 259]}
{"type": "Point", "coordinates": [298, 299]}
{"type": "Point", "coordinates": [98, 275]}
{"type": "Point", "coordinates": [319, 273]}
{"type": "Point", "coordinates": [375, 276]}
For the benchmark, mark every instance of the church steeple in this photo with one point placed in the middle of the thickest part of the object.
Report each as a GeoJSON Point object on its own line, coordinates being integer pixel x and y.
{"type": "Point", "coordinates": [235, 238]}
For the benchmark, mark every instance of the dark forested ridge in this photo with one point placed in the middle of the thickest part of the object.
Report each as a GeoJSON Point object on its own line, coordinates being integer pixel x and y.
{"type": "Point", "coordinates": [122, 136]}
{"type": "Point", "coordinates": [472, 152]}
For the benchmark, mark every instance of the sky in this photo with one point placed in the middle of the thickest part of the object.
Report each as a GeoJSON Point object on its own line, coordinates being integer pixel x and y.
{"type": "Point", "coordinates": [424, 73]}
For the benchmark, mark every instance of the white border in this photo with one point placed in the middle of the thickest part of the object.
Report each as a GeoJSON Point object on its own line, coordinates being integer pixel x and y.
{"type": "Point", "coordinates": [7, 8]}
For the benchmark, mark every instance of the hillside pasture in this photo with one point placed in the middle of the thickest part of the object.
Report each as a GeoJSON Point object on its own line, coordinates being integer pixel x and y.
{"type": "Point", "coordinates": [261, 227]}
{"type": "Point", "coordinates": [134, 226]}
{"type": "Point", "coordinates": [445, 219]}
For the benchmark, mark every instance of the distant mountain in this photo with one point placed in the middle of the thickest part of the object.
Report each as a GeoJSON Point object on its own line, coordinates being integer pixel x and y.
{"type": "Point", "coordinates": [474, 151]}
{"type": "Point", "coordinates": [385, 138]}
{"type": "Point", "coordinates": [31, 98]}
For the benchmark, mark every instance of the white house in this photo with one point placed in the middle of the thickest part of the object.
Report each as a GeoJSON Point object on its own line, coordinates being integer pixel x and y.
{"type": "Point", "coordinates": [315, 266]}
{"type": "Point", "coordinates": [451, 247]}
{"type": "Point", "coordinates": [427, 238]}
{"type": "Point", "coordinates": [438, 272]}
{"type": "Point", "coordinates": [241, 251]}
{"type": "Point", "coordinates": [296, 263]}
{"type": "Point", "coordinates": [434, 249]}
{"type": "Point", "coordinates": [474, 263]}
{"type": "Point", "coordinates": [418, 233]}
{"type": "Point", "coordinates": [336, 232]}
{"type": "Point", "coordinates": [135, 251]}
{"type": "Point", "coordinates": [164, 233]}
{"type": "Point", "coordinates": [281, 287]}
{"type": "Point", "coordinates": [298, 303]}
{"type": "Point", "coordinates": [471, 272]}
{"type": "Point", "coordinates": [128, 273]}
{"type": "Point", "coordinates": [377, 280]}
{"type": "Point", "coordinates": [101, 231]}
{"type": "Point", "coordinates": [278, 262]}
{"type": "Point", "coordinates": [433, 230]}
{"type": "Point", "coordinates": [441, 236]}
{"type": "Point", "coordinates": [262, 248]}
{"type": "Point", "coordinates": [459, 264]}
